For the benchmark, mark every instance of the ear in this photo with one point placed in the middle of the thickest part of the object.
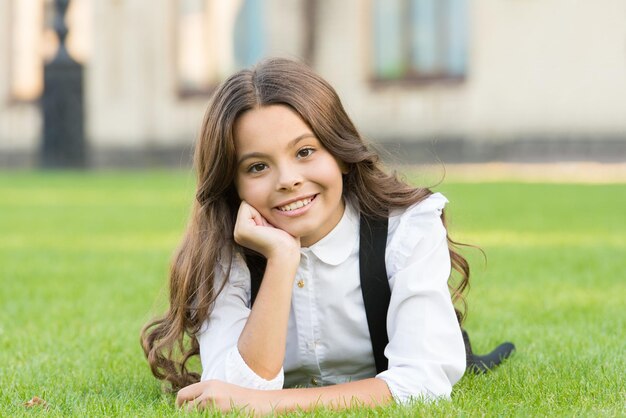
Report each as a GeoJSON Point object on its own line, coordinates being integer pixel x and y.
{"type": "Point", "coordinates": [344, 167]}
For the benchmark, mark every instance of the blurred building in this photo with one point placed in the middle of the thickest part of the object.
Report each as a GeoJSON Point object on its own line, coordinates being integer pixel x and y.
{"type": "Point", "coordinates": [468, 80]}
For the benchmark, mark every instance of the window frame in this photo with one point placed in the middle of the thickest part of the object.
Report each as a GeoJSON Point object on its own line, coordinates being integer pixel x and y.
{"type": "Point", "coordinates": [202, 92]}
{"type": "Point", "coordinates": [411, 76]}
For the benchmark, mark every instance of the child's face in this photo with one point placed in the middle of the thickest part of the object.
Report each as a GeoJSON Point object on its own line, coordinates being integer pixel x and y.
{"type": "Point", "coordinates": [286, 174]}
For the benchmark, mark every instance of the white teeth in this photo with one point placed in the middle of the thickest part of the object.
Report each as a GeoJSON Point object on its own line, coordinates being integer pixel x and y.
{"type": "Point", "coordinates": [295, 205]}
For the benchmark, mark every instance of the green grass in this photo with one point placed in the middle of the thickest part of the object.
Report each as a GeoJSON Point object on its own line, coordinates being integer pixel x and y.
{"type": "Point", "coordinates": [83, 265]}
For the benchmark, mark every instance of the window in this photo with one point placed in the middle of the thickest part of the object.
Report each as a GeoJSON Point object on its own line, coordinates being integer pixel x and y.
{"type": "Point", "coordinates": [26, 53]}
{"type": "Point", "coordinates": [215, 38]}
{"type": "Point", "coordinates": [33, 41]}
{"type": "Point", "coordinates": [420, 39]}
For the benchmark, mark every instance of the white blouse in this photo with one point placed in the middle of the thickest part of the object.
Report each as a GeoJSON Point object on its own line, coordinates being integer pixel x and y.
{"type": "Point", "coordinates": [328, 340]}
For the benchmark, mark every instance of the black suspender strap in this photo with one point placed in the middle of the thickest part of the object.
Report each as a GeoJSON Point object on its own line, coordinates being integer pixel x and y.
{"type": "Point", "coordinates": [374, 284]}
{"type": "Point", "coordinates": [256, 264]}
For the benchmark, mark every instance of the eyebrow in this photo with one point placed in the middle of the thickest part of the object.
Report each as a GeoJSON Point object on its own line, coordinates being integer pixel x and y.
{"type": "Point", "coordinates": [291, 144]}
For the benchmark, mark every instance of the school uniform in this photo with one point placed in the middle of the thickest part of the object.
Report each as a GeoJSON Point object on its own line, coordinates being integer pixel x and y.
{"type": "Point", "coordinates": [328, 341]}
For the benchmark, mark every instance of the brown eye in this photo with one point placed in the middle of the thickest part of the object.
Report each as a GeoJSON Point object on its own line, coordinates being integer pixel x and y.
{"type": "Point", "coordinates": [257, 168]}
{"type": "Point", "coordinates": [305, 152]}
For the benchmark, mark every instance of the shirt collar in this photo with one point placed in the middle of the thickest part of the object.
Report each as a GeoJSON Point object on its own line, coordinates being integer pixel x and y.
{"type": "Point", "coordinates": [338, 244]}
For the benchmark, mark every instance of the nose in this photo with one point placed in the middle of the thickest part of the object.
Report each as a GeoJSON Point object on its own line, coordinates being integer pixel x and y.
{"type": "Point", "coordinates": [288, 178]}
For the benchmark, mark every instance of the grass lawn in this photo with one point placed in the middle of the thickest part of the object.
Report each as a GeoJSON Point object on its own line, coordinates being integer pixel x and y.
{"type": "Point", "coordinates": [83, 265]}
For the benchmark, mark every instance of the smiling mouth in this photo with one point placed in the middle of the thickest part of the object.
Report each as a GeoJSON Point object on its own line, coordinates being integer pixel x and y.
{"type": "Point", "coordinates": [297, 204]}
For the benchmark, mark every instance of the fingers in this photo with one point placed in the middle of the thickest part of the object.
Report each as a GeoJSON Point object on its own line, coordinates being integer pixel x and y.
{"type": "Point", "coordinates": [253, 231]}
{"type": "Point", "coordinates": [245, 216]}
{"type": "Point", "coordinates": [189, 393]}
{"type": "Point", "coordinates": [249, 212]}
{"type": "Point", "coordinates": [195, 397]}
{"type": "Point", "coordinates": [200, 403]}
{"type": "Point", "coordinates": [199, 396]}
{"type": "Point", "coordinates": [257, 218]}
{"type": "Point", "coordinates": [246, 232]}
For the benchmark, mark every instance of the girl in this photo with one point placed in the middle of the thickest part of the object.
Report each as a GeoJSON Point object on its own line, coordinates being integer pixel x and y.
{"type": "Point", "coordinates": [284, 174]}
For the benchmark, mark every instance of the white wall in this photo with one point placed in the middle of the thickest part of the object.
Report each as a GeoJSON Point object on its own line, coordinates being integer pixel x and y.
{"type": "Point", "coordinates": [537, 68]}
{"type": "Point", "coordinates": [20, 122]}
{"type": "Point", "coordinates": [132, 97]}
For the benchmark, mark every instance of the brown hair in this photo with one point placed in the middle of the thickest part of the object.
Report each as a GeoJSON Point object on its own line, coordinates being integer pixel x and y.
{"type": "Point", "coordinates": [170, 341]}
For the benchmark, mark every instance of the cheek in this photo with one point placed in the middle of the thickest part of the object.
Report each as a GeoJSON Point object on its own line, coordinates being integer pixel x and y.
{"type": "Point", "coordinates": [244, 189]}
{"type": "Point", "coordinates": [239, 187]}
{"type": "Point", "coordinates": [331, 175]}
{"type": "Point", "coordinates": [253, 192]}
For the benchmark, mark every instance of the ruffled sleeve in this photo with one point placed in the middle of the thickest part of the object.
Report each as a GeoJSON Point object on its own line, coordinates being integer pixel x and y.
{"type": "Point", "coordinates": [219, 335]}
{"type": "Point", "coordinates": [425, 351]}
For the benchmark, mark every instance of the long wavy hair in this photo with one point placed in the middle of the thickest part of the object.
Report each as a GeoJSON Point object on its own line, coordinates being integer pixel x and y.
{"type": "Point", "coordinates": [170, 341]}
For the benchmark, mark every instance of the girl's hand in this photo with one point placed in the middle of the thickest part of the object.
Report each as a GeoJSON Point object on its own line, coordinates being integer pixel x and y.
{"type": "Point", "coordinates": [254, 232]}
{"type": "Point", "coordinates": [220, 395]}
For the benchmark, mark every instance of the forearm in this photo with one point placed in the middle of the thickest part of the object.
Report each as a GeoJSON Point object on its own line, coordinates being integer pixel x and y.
{"type": "Point", "coordinates": [227, 397]}
{"type": "Point", "coordinates": [369, 392]}
{"type": "Point", "coordinates": [263, 339]}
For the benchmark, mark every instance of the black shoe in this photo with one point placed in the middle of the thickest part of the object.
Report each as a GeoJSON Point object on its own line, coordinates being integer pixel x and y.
{"type": "Point", "coordinates": [482, 364]}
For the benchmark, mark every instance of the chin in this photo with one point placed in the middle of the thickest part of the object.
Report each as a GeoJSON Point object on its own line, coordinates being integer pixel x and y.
{"type": "Point", "coordinates": [296, 231]}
